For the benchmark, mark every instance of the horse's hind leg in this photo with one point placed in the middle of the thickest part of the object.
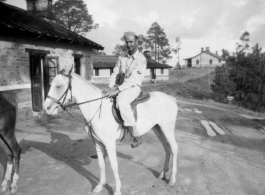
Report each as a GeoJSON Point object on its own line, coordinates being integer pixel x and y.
{"type": "Point", "coordinates": [167, 149]}
{"type": "Point", "coordinates": [7, 178]}
{"type": "Point", "coordinates": [168, 131]}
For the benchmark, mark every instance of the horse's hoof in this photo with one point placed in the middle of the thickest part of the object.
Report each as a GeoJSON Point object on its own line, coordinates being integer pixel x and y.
{"type": "Point", "coordinates": [161, 175]}
{"type": "Point", "coordinates": [4, 188]}
{"type": "Point", "coordinates": [98, 189]}
{"type": "Point", "coordinates": [117, 193]}
{"type": "Point", "coordinates": [171, 183]}
{"type": "Point", "coordinates": [13, 188]}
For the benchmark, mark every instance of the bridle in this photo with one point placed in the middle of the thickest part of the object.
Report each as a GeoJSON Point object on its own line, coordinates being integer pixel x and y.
{"type": "Point", "coordinates": [64, 107]}
{"type": "Point", "coordinates": [63, 97]}
{"type": "Point", "coordinates": [69, 88]}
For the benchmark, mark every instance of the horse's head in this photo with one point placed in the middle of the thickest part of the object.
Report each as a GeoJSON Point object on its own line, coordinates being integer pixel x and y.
{"type": "Point", "coordinates": [59, 93]}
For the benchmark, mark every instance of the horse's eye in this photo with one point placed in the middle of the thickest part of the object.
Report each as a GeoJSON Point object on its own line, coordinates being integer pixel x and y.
{"type": "Point", "coordinates": [58, 86]}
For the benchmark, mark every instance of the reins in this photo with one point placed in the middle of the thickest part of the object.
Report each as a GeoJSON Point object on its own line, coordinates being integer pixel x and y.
{"type": "Point", "coordinates": [77, 104]}
{"type": "Point", "coordinates": [64, 107]}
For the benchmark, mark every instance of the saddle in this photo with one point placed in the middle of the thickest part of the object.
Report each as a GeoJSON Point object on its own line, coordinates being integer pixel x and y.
{"type": "Point", "coordinates": [117, 115]}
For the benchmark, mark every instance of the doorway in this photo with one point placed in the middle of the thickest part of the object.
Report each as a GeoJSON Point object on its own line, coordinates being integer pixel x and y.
{"type": "Point", "coordinates": [43, 69]}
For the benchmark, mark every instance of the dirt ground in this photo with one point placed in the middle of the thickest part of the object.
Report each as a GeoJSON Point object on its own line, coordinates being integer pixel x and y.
{"type": "Point", "coordinates": [56, 150]}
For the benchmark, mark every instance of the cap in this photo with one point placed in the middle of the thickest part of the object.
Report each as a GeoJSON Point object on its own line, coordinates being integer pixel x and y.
{"type": "Point", "coordinates": [128, 34]}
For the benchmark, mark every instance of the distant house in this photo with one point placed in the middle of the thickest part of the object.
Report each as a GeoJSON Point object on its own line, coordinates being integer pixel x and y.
{"type": "Point", "coordinates": [204, 59]}
{"type": "Point", "coordinates": [103, 67]}
{"type": "Point", "coordinates": [33, 49]}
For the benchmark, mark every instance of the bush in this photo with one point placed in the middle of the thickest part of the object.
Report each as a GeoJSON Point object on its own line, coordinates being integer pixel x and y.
{"type": "Point", "coordinates": [243, 76]}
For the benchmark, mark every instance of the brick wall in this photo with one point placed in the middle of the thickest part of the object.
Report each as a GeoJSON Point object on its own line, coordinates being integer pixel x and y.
{"type": "Point", "coordinates": [15, 66]}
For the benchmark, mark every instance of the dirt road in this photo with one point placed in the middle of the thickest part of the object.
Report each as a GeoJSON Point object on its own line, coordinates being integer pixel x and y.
{"type": "Point", "coordinates": [56, 150]}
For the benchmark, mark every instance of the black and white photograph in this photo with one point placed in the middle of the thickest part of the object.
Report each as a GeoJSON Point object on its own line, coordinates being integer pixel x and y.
{"type": "Point", "coordinates": [140, 97]}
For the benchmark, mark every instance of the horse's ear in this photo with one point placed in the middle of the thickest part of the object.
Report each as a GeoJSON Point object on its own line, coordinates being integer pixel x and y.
{"type": "Point", "coordinates": [68, 70]}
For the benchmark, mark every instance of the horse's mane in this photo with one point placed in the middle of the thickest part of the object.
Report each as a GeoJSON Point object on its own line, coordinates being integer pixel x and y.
{"type": "Point", "coordinates": [86, 82]}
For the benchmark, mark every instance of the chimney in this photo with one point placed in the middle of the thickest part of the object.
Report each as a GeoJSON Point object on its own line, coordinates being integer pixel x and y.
{"type": "Point", "coordinates": [216, 52]}
{"type": "Point", "coordinates": [147, 54]}
{"type": "Point", "coordinates": [42, 8]}
{"type": "Point", "coordinates": [202, 49]}
{"type": "Point", "coordinates": [207, 48]}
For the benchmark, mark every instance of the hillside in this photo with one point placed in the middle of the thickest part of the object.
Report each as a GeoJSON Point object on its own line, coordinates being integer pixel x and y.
{"type": "Point", "coordinates": [187, 83]}
{"type": "Point", "coordinates": [188, 74]}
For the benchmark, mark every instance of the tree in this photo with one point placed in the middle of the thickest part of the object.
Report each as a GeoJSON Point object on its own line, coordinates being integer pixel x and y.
{"type": "Point", "coordinates": [121, 48]}
{"type": "Point", "coordinates": [225, 54]}
{"type": "Point", "coordinates": [157, 43]}
{"type": "Point", "coordinates": [176, 51]}
{"type": "Point", "coordinates": [73, 15]}
{"type": "Point", "coordinates": [243, 77]}
{"type": "Point", "coordinates": [244, 42]}
{"type": "Point", "coordinates": [98, 52]}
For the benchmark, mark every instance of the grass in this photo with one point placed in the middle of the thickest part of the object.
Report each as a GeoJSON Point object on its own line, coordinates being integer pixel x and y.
{"type": "Point", "coordinates": [183, 75]}
{"type": "Point", "coordinates": [195, 88]}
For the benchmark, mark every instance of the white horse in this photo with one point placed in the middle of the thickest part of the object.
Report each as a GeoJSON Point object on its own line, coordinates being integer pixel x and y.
{"type": "Point", "coordinates": [158, 113]}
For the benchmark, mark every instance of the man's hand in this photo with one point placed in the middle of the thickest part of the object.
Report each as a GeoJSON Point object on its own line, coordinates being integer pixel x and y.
{"type": "Point", "coordinates": [105, 91]}
{"type": "Point", "coordinates": [113, 92]}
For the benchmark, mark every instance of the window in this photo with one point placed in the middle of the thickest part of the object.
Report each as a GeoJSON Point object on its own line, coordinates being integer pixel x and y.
{"type": "Point", "coordinates": [96, 72]}
{"type": "Point", "coordinates": [52, 69]}
{"type": "Point", "coordinates": [220, 61]}
{"type": "Point", "coordinates": [77, 65]}
{"type": "Point", "coordinates": [197, 61]}
{"type": "Point", "coordinates": [162, 71]}
{"type": "Point", "coordinates": [210, 61]}
{"type": "Point", "coordinates": [111, 71]}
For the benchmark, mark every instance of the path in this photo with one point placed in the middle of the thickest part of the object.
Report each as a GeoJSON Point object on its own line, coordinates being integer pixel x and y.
{"type": "Point", "coordinates": [56, 152]}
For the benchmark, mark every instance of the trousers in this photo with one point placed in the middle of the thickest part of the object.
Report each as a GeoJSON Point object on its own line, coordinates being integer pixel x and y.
{"type": "Point", "coordinates": [124, 100]}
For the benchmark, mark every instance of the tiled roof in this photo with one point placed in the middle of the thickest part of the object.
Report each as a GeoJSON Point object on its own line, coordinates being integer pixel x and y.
{"type": "Point", "coordinates": [109, 61]}
{"type": "Point", "coordinates": [20, 20]}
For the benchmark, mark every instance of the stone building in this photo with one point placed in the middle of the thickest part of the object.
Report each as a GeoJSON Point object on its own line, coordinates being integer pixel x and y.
{"type": "Point", "coordinates": [33, 48]}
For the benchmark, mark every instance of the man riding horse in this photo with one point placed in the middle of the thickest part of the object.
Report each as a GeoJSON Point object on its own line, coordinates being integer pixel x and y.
{"type": "Point", "coordinates": [130, 69]}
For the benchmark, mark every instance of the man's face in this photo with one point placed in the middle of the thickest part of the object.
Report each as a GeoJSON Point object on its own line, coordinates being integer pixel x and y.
{"type": "Point", "coordinates": [131, 44]}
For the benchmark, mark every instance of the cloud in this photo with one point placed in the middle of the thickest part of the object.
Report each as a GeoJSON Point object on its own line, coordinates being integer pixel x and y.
{"type": "Point", "coordinates": [187, 21]}
{"type": "Point", "coordinates": [147, 19]}
{"type": "Point", "coordinates": [102, 14]}
{"type": "Point", "coordinates": [238, 3]}
{"type": "Point", "coordinates": [254, 23]}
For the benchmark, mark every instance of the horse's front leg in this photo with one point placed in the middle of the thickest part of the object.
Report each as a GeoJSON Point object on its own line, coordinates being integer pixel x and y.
{"type": "Point", "coordinates": [101, 161]}
{"type": "Point", "coordinates": [111, 148]}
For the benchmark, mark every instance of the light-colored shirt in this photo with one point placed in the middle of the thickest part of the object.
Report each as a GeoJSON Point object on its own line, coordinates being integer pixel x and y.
{"type": "Point", "coordinates": [133, 66]}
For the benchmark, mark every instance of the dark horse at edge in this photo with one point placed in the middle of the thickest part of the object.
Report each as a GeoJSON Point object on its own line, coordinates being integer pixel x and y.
{"type": "Point", "coordinates": [8, 113]}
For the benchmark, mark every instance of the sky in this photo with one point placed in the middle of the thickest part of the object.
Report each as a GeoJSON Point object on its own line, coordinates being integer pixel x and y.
{"type": "Point", "coordinates": [217, 24]}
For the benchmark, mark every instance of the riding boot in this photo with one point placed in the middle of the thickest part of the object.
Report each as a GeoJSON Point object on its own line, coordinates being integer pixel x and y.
{"type": "Point", "coordinates": [137, 139]}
